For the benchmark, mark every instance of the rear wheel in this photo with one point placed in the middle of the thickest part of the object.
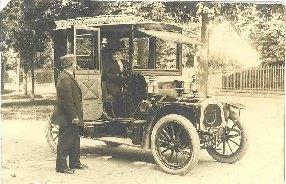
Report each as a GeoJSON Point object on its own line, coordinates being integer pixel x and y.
{"type": "Point", "coordinates": [175, 144]}
{"type": "Point", "coordinates": [233, 143]}
{"type": "Point", "coordinates": [52, 131]}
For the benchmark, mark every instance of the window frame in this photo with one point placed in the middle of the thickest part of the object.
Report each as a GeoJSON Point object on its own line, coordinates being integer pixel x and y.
{"type": "Point", "coordinates": [96, 47]}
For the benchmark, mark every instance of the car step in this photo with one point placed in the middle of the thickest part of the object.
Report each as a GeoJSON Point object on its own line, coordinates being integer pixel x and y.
{"type": "Point", "coordinates": [123, 121]}
{"type": "Point", "coordinates": [139, 122]}
{"type": "Point", "coordinates": [92, 123]}
{"type": "Point", "coordinates": [122, 141]}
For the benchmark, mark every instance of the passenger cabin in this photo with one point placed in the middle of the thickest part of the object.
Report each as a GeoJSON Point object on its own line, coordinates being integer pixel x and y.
{"type": "Point", "coordinates": [152, 49]}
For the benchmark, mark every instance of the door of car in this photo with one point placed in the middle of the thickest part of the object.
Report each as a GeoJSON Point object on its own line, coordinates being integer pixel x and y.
{"type": "Point", "coordinates": [86, 47]}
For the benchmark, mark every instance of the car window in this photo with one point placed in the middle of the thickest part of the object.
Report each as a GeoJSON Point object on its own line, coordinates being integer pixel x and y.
{"type": "Point", "coordinates": [85, 58]}
{"type": "Point", "coordinates": [166, 58]}
{"type": "Point", "coordinates": [84, 45]}
{"type": "Point", "coordinates": [141, 53]}
{"type": "Point", "coordinates": [86, 55]}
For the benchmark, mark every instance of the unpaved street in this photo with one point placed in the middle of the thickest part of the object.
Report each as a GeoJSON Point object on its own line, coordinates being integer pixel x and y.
{"type": "Point", "coordinates": [26, 157]}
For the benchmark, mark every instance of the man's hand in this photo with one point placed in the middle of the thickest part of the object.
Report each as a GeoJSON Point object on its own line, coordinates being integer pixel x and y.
{"type": "Point", "coordinates": [75, 121]}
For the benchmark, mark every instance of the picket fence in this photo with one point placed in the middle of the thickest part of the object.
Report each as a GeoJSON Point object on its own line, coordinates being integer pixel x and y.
{"type": "Point", "coordinates": [255, 79]}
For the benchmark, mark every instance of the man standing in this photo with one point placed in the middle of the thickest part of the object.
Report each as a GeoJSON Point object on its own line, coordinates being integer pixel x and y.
{"type": "Point", "coordinates": [68, 114]}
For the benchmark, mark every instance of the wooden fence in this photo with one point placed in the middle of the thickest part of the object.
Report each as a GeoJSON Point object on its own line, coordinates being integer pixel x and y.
{"type": "Point", "coordinates": [255, 79]}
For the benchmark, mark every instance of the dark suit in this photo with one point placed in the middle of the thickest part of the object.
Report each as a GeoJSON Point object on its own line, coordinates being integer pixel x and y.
{"type": "Point", "coordinates": [111, 73]}
{"type": "Point", "coordinates": [113, 81]}
{"type": "Point", "coordinates": [68, 102]}
{"type": "Point", "coordinates": [68, 107]}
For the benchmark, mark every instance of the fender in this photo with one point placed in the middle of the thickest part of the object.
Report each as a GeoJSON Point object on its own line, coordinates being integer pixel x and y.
{"type": "Point", "coordinates": [190, 112]}
{"type": "Point", "coordinates": [236, 105]}
{"type": "Point", "coordinates": [233, 115]}
{"type": "Point", "coordinates": [232, 110]}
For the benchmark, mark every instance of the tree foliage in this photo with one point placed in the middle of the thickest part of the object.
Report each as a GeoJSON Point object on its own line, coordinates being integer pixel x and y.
{"type": "Point", "coordinates": [29, 33]}
{"type": "Point", "coordinates": [264, 27]}
{"type": "Point", "coordinates": [22, 32]}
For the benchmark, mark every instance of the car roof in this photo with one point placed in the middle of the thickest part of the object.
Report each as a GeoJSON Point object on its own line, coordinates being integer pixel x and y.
{"type": "Point", "coordinates": [116, 20]}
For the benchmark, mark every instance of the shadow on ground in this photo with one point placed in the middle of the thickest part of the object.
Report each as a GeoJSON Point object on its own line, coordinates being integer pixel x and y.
{"type": "Point", "coordinates": [129, 155]}
{"type": "Point", "coordinates": [124, 154]}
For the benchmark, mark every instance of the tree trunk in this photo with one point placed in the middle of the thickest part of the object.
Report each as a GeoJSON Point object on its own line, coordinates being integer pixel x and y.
{"type": "Point", "coordinates": [33, 82]}
{"type": "Point", "coordinates": [203, 60]}
{"type": "Point", "coordinates": [18, 76]}
{"type": "Point", "coordinates": [25, 81]}
{"type": "Point", "coordinates": [2, 75]}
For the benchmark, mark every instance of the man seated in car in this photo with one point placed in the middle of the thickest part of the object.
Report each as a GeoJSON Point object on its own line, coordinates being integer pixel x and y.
{"type": "Point", "coordinates": [114, 68]}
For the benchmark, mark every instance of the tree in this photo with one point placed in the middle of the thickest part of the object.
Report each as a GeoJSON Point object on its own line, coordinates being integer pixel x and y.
{"type": "Point", "coordinates": [24, 29]}
{"type": "Point", "coordinates": [12, 61]}
{"type": "Point", "coordinates": [263, 25]}
{"type": "Point", "coordinates": [9, 25]}
{"type": "Point", "coordinates": [2, 73]}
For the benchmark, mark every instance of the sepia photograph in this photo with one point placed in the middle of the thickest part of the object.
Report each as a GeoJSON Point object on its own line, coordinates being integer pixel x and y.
{"type": "Point", "coordinates": [117, 92]}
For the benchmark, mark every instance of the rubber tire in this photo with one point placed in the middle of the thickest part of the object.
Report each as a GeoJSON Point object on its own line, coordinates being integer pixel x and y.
{"type": "Point", "coordinates": [49, 137]}
{"type": "Point", "coordinates": [194, 139]}
{"type": "Point", "coordinates": [242, 150]}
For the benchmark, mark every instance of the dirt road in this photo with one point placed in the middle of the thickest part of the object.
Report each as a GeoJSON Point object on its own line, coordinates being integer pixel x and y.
{"type": "Point", "coordinates": [26, 157]}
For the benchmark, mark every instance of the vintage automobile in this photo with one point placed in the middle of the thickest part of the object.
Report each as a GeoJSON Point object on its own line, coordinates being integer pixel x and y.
{"type": "Point", "coordinates": [162, 112]}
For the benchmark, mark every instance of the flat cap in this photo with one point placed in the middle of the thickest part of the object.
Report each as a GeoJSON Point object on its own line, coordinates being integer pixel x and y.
{"type": "Point", "coordinates": [67, 60]}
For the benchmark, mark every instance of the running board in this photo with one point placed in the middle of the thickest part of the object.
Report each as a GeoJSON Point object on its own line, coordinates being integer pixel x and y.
{"type": "Point", "coordinates": [121, 120]}
{"type": "Point", "coordinates": [123, 141]}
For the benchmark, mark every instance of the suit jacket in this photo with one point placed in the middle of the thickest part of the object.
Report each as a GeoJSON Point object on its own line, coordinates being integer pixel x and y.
{"type": "Point", "coordinates": [68, 102]}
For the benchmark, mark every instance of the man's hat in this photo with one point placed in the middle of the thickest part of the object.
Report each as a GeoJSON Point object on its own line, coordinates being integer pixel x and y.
{"type": "Point", "coordinates": [67, 60]}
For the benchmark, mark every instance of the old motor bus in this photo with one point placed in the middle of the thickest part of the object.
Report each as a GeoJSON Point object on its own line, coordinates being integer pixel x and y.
{"type": "Point", "coordinates": [161, 112]}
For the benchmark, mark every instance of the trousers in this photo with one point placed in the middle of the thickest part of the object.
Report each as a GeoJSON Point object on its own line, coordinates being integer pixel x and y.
{"type": "Point", "coordinates": [68, 146]}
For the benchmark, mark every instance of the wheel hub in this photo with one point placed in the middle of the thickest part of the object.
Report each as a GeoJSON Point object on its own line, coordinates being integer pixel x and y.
{"type": "Point", "coordinates": [175, 145]}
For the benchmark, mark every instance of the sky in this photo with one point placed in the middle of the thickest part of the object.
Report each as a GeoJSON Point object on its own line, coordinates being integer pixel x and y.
{"type": "Point", "coordinates": [3, 3]}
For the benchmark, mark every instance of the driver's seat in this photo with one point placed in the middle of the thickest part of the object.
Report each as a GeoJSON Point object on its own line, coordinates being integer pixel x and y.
{"type": "Point", "coordinates": [137, 90]}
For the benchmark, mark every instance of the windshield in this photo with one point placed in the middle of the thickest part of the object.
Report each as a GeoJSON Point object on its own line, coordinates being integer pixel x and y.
{"type": "Point", "coordinates": [155, 54]}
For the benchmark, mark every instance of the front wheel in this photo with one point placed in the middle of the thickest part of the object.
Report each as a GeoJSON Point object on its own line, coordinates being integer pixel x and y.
{"type": "Point", "coordinates": [233, 143]}
{"type": "Point", "coordinates": [175, 144]}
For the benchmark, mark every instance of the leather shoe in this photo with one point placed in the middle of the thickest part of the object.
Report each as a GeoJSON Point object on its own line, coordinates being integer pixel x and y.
{"type": "Point", "coordinates": [66, 171]}
{"type": "Point", "coordinates": [81, 167]}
